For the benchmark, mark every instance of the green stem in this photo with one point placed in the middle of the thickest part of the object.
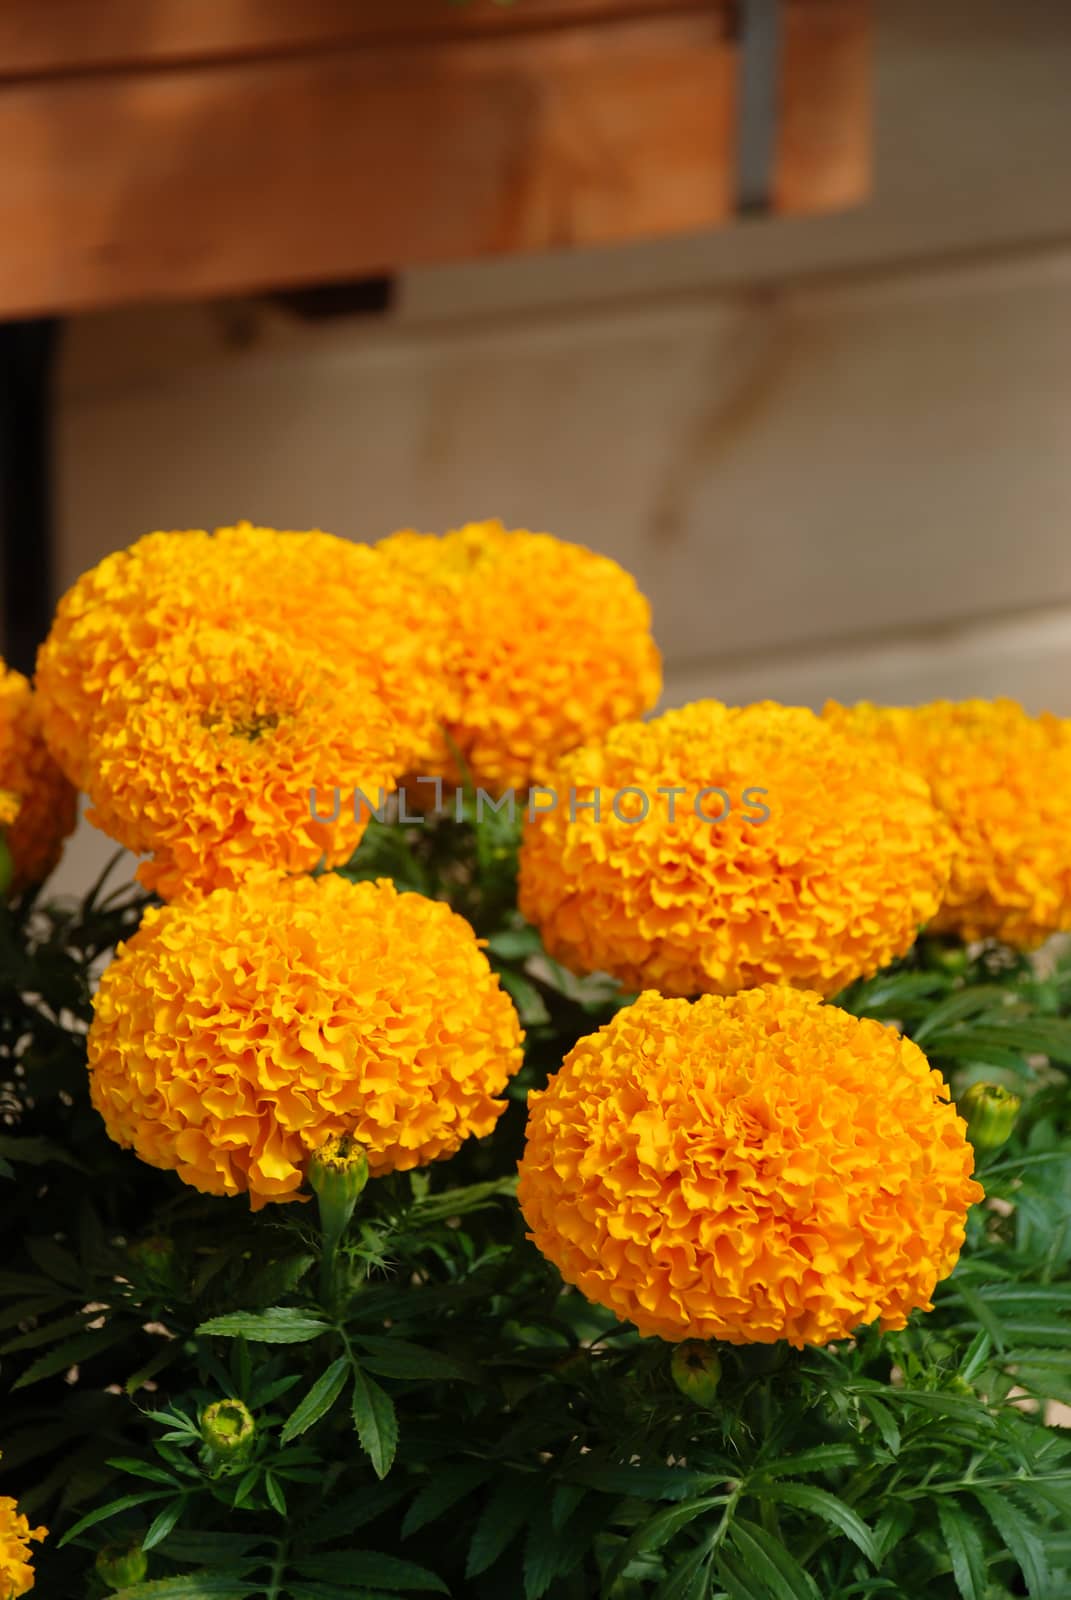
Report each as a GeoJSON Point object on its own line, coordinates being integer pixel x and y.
{"type": "Point", "coordinates": [278, 1571]}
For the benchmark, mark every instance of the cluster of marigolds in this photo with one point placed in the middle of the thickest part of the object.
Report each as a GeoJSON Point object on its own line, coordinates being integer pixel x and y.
{"type": "Point", "coordinates": [730, 1158]}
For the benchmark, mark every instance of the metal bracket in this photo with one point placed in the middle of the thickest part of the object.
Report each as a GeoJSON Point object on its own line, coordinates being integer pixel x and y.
{"type": "Point", "coordinates": [760, 62]}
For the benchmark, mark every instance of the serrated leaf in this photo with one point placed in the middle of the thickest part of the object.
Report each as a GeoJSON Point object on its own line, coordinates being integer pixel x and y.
{"type": "Point", "coordinates": [370, 1569]}
{"type": "Point", "coordinates": [1020, 1539]}
{"type": "Point", "coordinates": [277, 1278]}
{"type": "Point", "coordinates": [125, 1502]}
{"type": "Point", "coordinates": [505, 1513]}
{"type": "Point", "coordinates": [274, 1491]}
{"type": "Point", "coordinates": [769, 1560]}
{"type": "Point", "coordinates": [375, 1420]}
{"type": "Point", "coordinates": [891, 1526]}
{"type": "Point", "coordinates": [690, 1578]}
{"type": "Point", "coordinates": [69, 1354]}
{"type": "Point", "coordinates": [193, 1586]}
{"type": "Point", "coordinates": [53, 1259]}
{"type": "Point", "coordinates": [395, 1358]}
{"type": "Point", "coordinates": [319, 1400]}
{"type": "Point", "coordinates": [143, 1469]}
{"type": "Point", "coordinates": [883, 1420]}
{"type": "Point", "coordinates": [445, 1489]}
{"type": "Point", "coordinates": [964, 1546]}
{"type": "Point", "coordinates": [824, 1505]}
{"type": "Point", "coordinates": [820, 1458]}
{"type": "Point", "coordinates": [48, 1333]}
{"type": "Point", "coordinates": [276, 1325]}
{"type": "Point", "coordinates": [162, 1524]}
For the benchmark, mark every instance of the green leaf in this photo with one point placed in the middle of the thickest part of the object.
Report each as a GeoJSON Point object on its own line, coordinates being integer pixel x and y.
{"type": "Point", "coordinates": [737, 1580]}
{"type": "Point", "coordinates": [195, 1586]}
{"type": "Point", "coordinates": [689, 1579]}
{"type": "Point", "coordinates": [768, 1559]}
{"type": "Point", "coordinates": [946, 1405]}
{"type": "Point", "coordinates": [274, 1491]}
{"type": "Point", "coordinates": [664, 1525]}
{"type": "Point", "coordinates": [36, 1152]}
{"type": "Point", "coordinates": [820, 1458]}
{"type": "Point", "coordinates": [163, 1523]}
{"type": "Point", "coordinates": [69, 1354]}
{"type": "Point", "coordinates": [125, 1502]}
{"type": "Point", "coordinates": [964, 1546]}
{"type": "Point", "coordinates": [394, 1358]}
{"type": "Point", "coordinates": [276, 1325]}
{"type": "Point", "coordinates": [319, 1400]}
{"type": "Point", "coordinates": [644, 1483]}
{"type": "Point", "coordinates": [448, 1485]}
{"type": "Point", "coordinates": [48, 1333]}
{"type": "Point", "coordinates": [883, 1420]}
{"type": "Point", "coordinates": [826, 1506]}
{"type": "Point", "coordinates": [505, 1513]}
{"type": "Point", "coordinates": [368, 1568]}
{"type": "Point", "coordinates": [1019, 1538]}
{"type": "Point", "coordinates": [143, 1469]}
{"type": "Point", "coordinates": [375, 1420]}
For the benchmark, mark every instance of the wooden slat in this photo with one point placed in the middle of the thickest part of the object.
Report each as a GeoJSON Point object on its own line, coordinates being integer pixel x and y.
{"type": "Point", "coordinates": [825, 103]}
{"type": "Point", "coordinates": [61, 36]}
{"type": "Point", "coordinates": [227, 176]}
{"type": "Point", "coordinates": [196, 182]}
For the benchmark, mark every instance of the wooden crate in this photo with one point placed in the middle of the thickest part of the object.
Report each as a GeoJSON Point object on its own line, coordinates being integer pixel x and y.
{"type": "Point", "coordinates": [183, 148]}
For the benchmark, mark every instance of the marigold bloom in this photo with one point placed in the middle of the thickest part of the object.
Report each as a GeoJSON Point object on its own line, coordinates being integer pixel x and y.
{"type": "Point", "coordinates": [1002, 779]}
{"type": "Point", "coordinates": [829, 887]}
{"type": "Point", "coordinates": [338, 599]}
{"type": "Point", "coordinates": [214, 752]}
{"type": "Point", "coordinates": [16, 1573]}
{"type": "Point", "coordinates": [750, 1169]}
{"type": "Point", "coordinates": [232, 1035]}
{"type": "Point", "coordinates": [547, 644]}
{"type": "Point", "coordinates": [38, 807]}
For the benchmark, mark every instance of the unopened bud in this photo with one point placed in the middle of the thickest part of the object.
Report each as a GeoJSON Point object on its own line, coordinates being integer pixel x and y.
{"type": "Point", "coordinates": [950, 958]}
{"type": "Point", "coordinates": [155, 1256]}
{"type": "Point", "coordinates": [119, 1565]}
{"type": "Point", "coordinates": [228, 1430]}
{"type": "Point", "coordinates": [991, 1112]}
{"type": "Point", "coordinates": [7, 866]}
{"type": "Point", "coordinates": [696, 1371]}
{"type": "Point", "coordinates": [338, 1172]}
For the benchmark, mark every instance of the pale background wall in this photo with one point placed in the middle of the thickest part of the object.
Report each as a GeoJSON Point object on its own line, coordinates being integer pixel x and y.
{"type": "Point", "coordinates": [836, 453]}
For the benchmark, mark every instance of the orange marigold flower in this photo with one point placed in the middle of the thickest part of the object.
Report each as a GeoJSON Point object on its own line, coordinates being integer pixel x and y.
{"type": "Point", "coordinates": [219, 748]}
{"type": "Point", "coordinates": [16, 1573]}
{"type": "Point", "coordinates": [547, 644]}
{"type": "Point", "coordinates": [38, 807]}
{"type": "Point", "coordinates": [1002, 779]}
{"type": "Point", "coordinates": [233, 1035]}
{"type": "Point", "coordinates": [833, 884]}
{"type": "Point", "coordinates": [339, 599]}
{"type": "Point", "coordinates": [750, 1169]}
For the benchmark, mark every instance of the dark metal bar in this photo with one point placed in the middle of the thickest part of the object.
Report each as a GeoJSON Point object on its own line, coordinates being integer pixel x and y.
{"type": "Point", "coordinates": [27, 350]}
{"type": "Point", "coordinates": [760, 61]}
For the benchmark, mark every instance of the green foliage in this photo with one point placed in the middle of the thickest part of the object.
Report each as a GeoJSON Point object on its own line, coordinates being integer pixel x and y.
{"type": "Point", "coordinates": [437, 1415]}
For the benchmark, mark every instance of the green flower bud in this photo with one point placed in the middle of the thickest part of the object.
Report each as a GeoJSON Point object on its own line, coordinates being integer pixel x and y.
{"type": "Point", "coordinates": [991, 1112]}
{"type": "Point", "coordinates": [120, 1565]}
{"type": "Point", "coordinates": [696, 1371]}
{"type": "Point", "coordinates": [7, 866]}
{"type": "Point", "coordinates": [228, 1430]}
{"type": "Point", "coordinates": [338, 1172]}
{"type": "Point", "coordinates": [950, 958]}
{"type": "Point", "coordinates": [155, 1256]}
